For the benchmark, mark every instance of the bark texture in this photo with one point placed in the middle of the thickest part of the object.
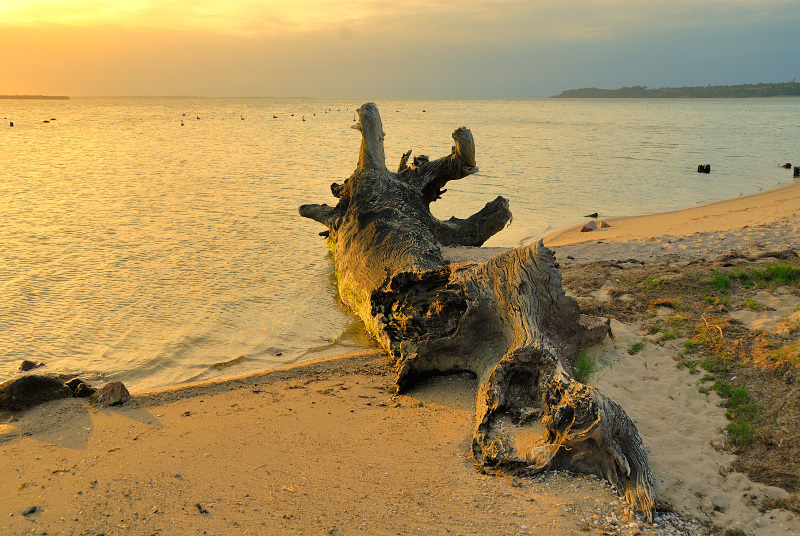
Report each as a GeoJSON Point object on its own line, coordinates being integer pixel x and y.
{"type": "Point", "coordinates": [506, 320]}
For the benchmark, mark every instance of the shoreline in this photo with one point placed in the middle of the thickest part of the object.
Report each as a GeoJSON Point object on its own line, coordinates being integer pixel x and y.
{"type": "Point", "coordinates": [327, 447]}
{"type": "Point", "coordinates": [750, 225]}
{"type": "Point", "coordinates": [34, 97]}
{"type": "Point", "coordinates": [716, 216]}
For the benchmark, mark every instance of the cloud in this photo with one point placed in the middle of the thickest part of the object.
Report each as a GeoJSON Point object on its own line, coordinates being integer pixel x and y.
{"type": "Point", "coordinates": [487, 21]}
{"type": "Point", "coordinates": [550, 18]}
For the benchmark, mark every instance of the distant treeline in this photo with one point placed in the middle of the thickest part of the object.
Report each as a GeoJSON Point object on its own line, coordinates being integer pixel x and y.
{"type": "Point", "coordinates": [782, 89]}
{"type": "Point", "coordinates": [35, 97]}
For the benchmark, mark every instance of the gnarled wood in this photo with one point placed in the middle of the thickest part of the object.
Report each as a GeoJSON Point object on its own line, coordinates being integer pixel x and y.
{"type": "Point", "coordinates": [507, 320]}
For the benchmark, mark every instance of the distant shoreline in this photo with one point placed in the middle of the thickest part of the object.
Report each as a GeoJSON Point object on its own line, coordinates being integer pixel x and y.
{"type": "Point", "coordinates": [35, 97]}
{"type": "Point", "coordinates": [742, 91]}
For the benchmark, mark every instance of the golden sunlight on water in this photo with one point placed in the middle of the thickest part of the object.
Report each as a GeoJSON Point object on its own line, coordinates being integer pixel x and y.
{"type": "Point", "coordinates": [147, 245]}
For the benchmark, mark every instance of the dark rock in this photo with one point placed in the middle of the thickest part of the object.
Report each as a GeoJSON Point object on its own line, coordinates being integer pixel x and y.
{"type": "Point", "coordinates": [26, 365]}
{"type": "Point", "coordinates": [73, 384]}
{"type": "Point", "coordinates": [28, 511]}
{"type": "Point", "coordinates": [27, 391]}
{"type": "Point", "coordinates": [704, 168]}
{"type": "Point", "coordinates": [84, 391]}
{"type": "Point", "coordinates": [592, 215]}
{"type": "Point", "coordinates": [787, 165]}
{"type": "Point", "coordinates": [796, 171]}
{"type": "Point", "coordinates": [80, 388]}
{"type": "Point", "coordinates": [112, 394]}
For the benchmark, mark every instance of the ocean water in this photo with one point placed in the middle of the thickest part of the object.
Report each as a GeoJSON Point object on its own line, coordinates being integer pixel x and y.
{"type": "Point", "coordinates": [157, 241]}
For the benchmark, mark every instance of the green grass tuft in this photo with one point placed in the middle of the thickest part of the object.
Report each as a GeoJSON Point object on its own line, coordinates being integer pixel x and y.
{"type": "Point", "coordinates": [770, 277]}
{"type": "Point", "coordinates": [585, 366]}
{"type": "Point", "coordinates": [653, 285]}
{"type": "Point", "coordinates": [636, 347]}
{"type": "Point", "coordinates": [692, 346]}
{"type": "Point", "coordinates": [743, 412]}
{"type": "Point", "coordinates": [741, 433]}
{"type": "Point", "coordinates": [750, 303]}
{"type": "Point", "coordinates": [715, 363]}
{"type": "Point", "coordinates": [720, 282]}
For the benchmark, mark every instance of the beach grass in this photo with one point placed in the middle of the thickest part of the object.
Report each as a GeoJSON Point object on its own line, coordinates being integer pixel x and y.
{"type": "Point", "coordinates": [770, 277]}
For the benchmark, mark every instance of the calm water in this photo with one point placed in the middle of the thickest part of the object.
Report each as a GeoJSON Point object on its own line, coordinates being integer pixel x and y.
{"type": "Point", "coordinates": [138, 249]}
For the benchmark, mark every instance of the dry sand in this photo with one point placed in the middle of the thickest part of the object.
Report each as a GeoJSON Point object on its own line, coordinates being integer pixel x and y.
{"type": "Point", "coordinates": [320, 448]}
{"type": "Point", "coordinates": [326, 448]}
{"type": "Point", "coordinates": [749, 224]}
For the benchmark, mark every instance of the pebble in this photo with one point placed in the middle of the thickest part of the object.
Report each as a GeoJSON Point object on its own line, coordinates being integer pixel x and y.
{"type": "Point", "coordinates": [664, 524]}
{"type": "Point", "coordinates": [615, 518]}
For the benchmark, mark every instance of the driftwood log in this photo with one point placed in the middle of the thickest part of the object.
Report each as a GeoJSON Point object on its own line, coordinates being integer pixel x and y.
{"type": "Point", "coordinates": [506, 320]}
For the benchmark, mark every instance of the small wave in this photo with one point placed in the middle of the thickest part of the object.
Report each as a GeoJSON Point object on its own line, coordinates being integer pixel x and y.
{"type": "Point", "coordinates": [225, 364]}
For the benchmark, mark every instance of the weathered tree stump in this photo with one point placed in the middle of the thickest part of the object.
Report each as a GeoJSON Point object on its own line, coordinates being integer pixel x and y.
{"type": "Point", "coordinates": [507, 320]}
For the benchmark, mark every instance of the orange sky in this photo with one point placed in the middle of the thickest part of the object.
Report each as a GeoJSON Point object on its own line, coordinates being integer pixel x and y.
{"type": "Point", "coordinates": [377, 48]}
{"type": "Point", "coordinates": [223, 16]}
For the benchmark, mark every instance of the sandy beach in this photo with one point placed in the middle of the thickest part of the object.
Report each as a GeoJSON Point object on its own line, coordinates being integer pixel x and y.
{"type": "Point", "coordinates": [328, 448]}
{"type": "Point", "coordinates": [754, 223]}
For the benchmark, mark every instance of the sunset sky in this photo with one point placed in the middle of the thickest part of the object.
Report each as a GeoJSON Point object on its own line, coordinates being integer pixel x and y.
{"type": "Point", "coordinates": [400, 48]}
